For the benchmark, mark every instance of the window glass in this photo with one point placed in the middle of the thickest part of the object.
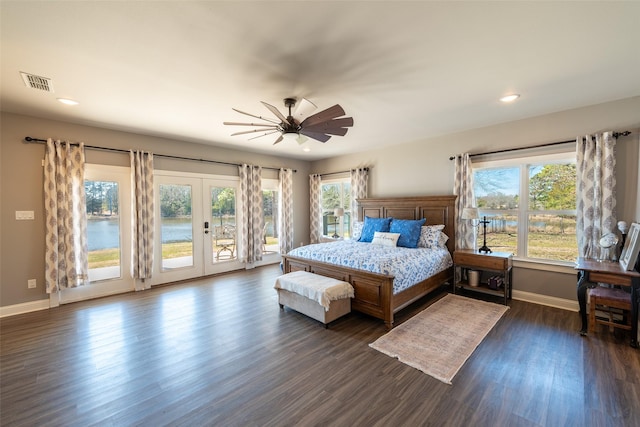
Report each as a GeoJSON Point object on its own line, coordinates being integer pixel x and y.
{"type": "Point", "coordinates": [270, 200]}
{"type": "Point", "coordinates": [497, 197]}
{"type": "Point", "coordinates": [223, 218]}
{"type": "Point", "coordinates": [270, 209]}
{"type": "Point", "coordinates": [551, 214]}
{"type": "Point", "coordinates": [176, 226]}
{"type": "Point", "coordinates": [530, 206]}
{"type": "Point", "coordinates": [336, 194]}
{"type": "Point", "coordinates": [103, 229]}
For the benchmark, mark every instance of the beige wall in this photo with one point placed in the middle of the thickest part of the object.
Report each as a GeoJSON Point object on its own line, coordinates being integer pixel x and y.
{"type": "Point", "coordinates": [22, 242]}
{"type": "Point", "coordinates": [423, 167]}
{"type": "Point", "coordinates": [416, 168]}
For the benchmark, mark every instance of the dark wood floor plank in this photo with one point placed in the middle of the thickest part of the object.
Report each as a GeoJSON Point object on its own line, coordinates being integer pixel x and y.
{"type": "Point", "coordinates": [219, 351]}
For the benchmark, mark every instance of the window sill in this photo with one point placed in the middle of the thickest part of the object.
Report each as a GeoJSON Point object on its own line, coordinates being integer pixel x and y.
{"type": "Point", "coordinates": [565, 267]}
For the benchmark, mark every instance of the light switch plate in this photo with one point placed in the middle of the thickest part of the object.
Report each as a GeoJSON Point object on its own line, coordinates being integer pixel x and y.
{"type": "Point", "coordinates": [24, 215]}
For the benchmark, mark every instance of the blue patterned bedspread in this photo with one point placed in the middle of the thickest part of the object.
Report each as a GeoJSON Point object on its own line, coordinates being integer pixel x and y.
{"type": "Point", "coordinates": [408, 265]}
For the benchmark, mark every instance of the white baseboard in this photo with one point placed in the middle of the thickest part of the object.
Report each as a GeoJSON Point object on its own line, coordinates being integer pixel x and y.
{"type": "Point", "coordinates": [26, 307]}
{"type": "Point", "coordinates": [565, 304]}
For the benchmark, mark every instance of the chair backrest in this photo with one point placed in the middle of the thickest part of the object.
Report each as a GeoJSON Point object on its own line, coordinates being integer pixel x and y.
{"type": "Point", "coordinates": [224, 232]}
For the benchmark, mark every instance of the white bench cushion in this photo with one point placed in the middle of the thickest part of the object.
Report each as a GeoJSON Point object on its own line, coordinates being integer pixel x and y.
{"type": "Point", "coordinates": [318, 288]}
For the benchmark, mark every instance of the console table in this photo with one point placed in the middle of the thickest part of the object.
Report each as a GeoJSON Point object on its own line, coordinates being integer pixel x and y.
{"type": "Point", "coordinates": [591, 271]}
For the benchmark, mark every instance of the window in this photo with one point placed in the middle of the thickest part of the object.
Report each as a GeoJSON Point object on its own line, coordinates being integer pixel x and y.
{"type": "Point", "coordinates": [270, 242]}
{"type": "Point", "coordinates": [336, 193]}
{"type": "Point", "coordinates": [103, 229]}
{"type": "Point", "coordinates": [530, 206]}
{"type": "Point", "coordinates": [108, 207]}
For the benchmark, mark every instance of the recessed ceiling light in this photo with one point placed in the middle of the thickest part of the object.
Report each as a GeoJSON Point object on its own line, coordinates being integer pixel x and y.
{"type": "Point", "coordinates": [306, 149]}
{"type": "Point", "coordinates": [510, 98]}
{"type": "Point", "coordinates": [67, 101]}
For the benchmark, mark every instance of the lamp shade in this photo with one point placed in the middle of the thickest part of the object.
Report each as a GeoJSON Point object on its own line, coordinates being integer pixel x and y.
{"type": "Point", "coordinates": [290, 136]}
{"type": "Point", "coordinates": [338, 212]}
{"type": "Point", "coordinates": [470, 213]}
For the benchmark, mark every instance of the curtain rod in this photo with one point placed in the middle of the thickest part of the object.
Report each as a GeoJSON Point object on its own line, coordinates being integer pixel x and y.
{"type": "Point", "coordinates": [335, 173]}
{"type": "Point", "coordinates": [506, 150]}
{"type": "Point", "coordinates": [166, 156]}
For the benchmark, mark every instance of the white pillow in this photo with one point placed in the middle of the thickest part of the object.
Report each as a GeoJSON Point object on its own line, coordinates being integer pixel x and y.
{"type": "Point", "coordinates": [385, 239]}
{"type": "Point", "coordinates": [431, 236]}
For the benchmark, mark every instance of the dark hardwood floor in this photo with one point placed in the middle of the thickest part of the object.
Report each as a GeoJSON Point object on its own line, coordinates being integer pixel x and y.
{"type": "Point", "coordinates": [218, 351]}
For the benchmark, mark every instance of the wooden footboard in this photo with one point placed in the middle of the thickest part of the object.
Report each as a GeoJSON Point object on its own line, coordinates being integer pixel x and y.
{"type": "Point", "coordinates": [373, 291]}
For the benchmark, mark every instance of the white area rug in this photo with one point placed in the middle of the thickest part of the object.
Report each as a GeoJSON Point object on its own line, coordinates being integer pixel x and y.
{"type": "Point", "coordinates": [441, 338]}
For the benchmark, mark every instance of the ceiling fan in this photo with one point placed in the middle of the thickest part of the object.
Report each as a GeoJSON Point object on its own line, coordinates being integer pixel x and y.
{"type": "Point", "coordinates": [319, 126]}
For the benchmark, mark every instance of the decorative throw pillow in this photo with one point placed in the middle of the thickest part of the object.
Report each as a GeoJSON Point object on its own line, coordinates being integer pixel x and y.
{"type": "Point", "coordinates": [371, 225]}
{"type": "Point", "coordinates": [442, 240]}
{"type": "Point", "coordinates": [356, 230]}
{"type": "Point", "coordinates": [430, 236]}
{"type": "Point", "coordinates": [409, 230]}
{"type": "Point", "coordinates": [385, 239]}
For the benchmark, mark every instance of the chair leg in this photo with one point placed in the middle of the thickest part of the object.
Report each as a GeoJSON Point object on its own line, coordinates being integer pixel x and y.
{"type": "Point", "coordinates": [592, 316]}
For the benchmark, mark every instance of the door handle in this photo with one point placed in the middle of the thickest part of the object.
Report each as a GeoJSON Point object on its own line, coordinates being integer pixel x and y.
{"type": "Point", "coordinates": [206, 227]}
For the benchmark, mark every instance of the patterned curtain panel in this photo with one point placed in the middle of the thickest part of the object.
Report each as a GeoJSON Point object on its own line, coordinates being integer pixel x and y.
{"type": "Point", "coordinates": [66, 264]}
{"type": "Point", "coordinates": [596, 193]}
{"type": "Point", "coordinates": [250, 205]}
{"type": "Point", "coordinates": [315, 207]}
{"type": "Point", "coordinates": [463, 188]}
{"type": "Point", "coordinates": [285, 219]}
{"type": "Point", "coordinates": [359, 180]}
{"type": "Point", "coordinates": [142, 215]}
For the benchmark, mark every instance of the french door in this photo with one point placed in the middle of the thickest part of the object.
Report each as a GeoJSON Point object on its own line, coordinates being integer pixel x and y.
{"type": "Point", "coordinates": [108, 204]}
{"type": "Point", "coordinates": [195, 226]}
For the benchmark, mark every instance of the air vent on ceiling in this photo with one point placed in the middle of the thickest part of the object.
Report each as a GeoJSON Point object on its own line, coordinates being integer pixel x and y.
{"type": "Point", "coordinates": [37, 82]}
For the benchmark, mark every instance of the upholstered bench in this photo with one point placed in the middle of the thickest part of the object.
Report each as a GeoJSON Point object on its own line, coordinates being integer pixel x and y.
{"type": "Point", "coordinates": [322, 298]}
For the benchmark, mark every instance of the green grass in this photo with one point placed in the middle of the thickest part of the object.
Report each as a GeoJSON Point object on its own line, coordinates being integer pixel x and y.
{"type": "Point", "coordinates": [111, 257]}
{"type": "Point", "coordinates": [104, 258]}
{"type": "Point", "coordinates": [554, 246]}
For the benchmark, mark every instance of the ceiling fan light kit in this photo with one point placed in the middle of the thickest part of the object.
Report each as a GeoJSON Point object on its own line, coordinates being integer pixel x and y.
{"type": "Point", "coordinates": [298, 126]}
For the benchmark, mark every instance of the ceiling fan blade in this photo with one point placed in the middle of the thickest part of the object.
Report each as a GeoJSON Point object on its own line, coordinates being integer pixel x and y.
{"type": "Point", "coordinates": [264, 134]}
{"type": "Point", "coordinates": [277, 113]}
{"type": "Point", "coordinates": [257, 117]}
{"type": "Point", "coordinates": [316, 135]}
{"type": "Point", "coordinates": [249, 124]}
{"type": "Point", "coordinates": [323, 116]}
{"type": "Point", "coordinates": [331, 124]}
{"type": "Point", "coordinates": [303, 109]}
{"type": "Point", "coordinates": [332, 131]}
{"type": "Point", "coordinates": [251, 131]}
{"type": "Point", "coordinates": [280, 138]}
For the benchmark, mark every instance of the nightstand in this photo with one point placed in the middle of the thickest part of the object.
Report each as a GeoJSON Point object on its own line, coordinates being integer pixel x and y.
{"type": "Point", "coordinates": [500, 263]}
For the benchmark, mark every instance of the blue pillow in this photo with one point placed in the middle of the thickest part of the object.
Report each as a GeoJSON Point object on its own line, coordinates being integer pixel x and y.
{"type": "Point", "coordinates": [371, 225]}
{"type": "Point", "coordinates": [409, 230]}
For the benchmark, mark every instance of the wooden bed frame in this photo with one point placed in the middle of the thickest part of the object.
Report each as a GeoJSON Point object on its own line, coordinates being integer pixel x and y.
{"type": "Point", "coordinates": [374, 291]}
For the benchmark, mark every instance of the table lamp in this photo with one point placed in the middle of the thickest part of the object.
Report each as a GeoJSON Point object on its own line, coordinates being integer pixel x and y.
{"type": "Point", "coordinates": [338, 213]}
{"type": "Point", "coordinates": [472, 214]}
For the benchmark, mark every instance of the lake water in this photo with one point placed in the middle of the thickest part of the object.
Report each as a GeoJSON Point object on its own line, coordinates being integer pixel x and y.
{"type": "Point", "coordinates": [104, 233]}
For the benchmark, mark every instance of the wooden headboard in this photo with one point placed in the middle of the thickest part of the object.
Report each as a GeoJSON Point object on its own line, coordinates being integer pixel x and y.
{"type": "Point", "coordinates": [436, 210]}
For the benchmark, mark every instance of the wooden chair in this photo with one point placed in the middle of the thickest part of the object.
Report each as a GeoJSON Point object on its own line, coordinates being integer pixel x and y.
{"type": "Point", "coordinates": [606, 299]}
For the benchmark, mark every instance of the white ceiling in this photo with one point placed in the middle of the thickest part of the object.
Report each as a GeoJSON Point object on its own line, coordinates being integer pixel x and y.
{"type": "Point", "coordinates": [405, 71]}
